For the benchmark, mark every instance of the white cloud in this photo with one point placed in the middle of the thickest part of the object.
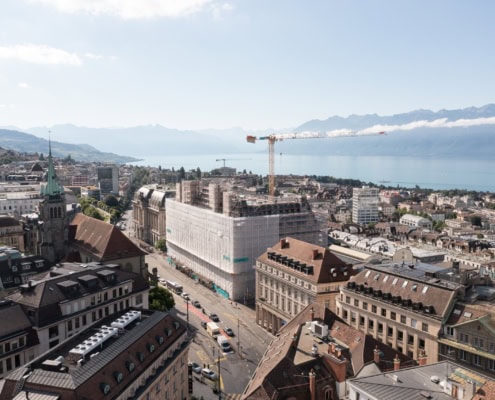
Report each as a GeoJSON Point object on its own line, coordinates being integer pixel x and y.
{"type": "Point", "coordinates": [219, 10]}
{"type": "Point", "coordinates": [128, 9]}
{"type": "Point", "coordinates": [37, 54]}
{"type": "Point", "coordinates": [93, 56]}
{"type": "Point", "coordinates": [438, 123]}
{"type": "Point", "coordinates": [23, 85]}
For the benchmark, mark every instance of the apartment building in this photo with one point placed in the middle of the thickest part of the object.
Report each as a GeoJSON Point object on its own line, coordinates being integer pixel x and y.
{"type": "Point", "coordinates": [11, 232]}
{"type": "Point", "coordinates": [403, 305]}
{"type": "Point", "coordinates": [292, 274]}
{"type": "Point", "coordinates": [131, 355]}
{"type": "Point", "coordinates": [68, 300]}
{"type": "Point", "coordinates": [219, 233]}
{"type": "Point", "coordinates": [365, 203]}
{"type": "Point", "coordinates": [468, 336]}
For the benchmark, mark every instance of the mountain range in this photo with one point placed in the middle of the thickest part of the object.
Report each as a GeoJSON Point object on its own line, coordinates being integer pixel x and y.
{"type": "Point", "coordinates": [420, 133]}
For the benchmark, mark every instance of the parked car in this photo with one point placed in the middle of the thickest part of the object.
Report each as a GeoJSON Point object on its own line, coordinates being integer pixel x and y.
{"type": "Point", "coordinates": [195, 367]}
{"type": "Point", "coordinates": [185, 296]}
{"type": "Point", "coordinates": [214, 317]}
{"type": "Point", "coordinates": [229, 332]}
{"type": "Point", "coordinates": [203, 324]}
{"type": "Point", "coordinates": [208, 373]}
{"type": "Point", "coordinates": [196, 304]}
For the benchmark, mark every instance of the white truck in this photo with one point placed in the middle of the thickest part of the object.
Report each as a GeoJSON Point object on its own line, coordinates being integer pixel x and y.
{"type": "Point", "coordinates": [212, 329]}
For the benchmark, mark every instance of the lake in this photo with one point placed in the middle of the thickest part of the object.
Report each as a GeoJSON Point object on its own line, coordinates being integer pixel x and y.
{"type": "Point", "coordinates": [430, 173]}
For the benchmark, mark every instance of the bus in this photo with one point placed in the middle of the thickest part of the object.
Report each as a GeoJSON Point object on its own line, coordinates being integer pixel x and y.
{"type": "Point", "coordinates": [174, 287]}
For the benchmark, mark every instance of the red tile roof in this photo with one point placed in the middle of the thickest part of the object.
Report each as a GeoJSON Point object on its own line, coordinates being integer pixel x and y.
{"type": "Point", "coordinates": [102, 239]}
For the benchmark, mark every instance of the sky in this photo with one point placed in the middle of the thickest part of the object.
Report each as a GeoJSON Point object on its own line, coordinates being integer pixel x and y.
{"type": "Point", "coordinates": [255, 64]}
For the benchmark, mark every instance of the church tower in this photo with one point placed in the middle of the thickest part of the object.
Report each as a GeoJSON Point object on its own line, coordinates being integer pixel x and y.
{"type": "Point", "coordinates": [54, 226]}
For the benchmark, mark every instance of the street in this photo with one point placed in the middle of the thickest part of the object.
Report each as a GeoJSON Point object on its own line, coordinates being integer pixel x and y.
{"type": "Point", "coordinates": [249, 343]}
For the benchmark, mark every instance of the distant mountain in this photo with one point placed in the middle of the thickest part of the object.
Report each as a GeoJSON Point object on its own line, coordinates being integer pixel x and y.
{"type": "Point", "coordinates": [407, 134]}
{"type": "Point", "coordinates": [150, 140]}
{"type": "Point", "coordinates": [27, 143]}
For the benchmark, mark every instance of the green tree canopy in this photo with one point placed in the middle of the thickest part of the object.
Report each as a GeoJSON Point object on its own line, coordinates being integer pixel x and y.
{"type": "Point", "coordinates": [161, 245]}
{"type": "Point", "coordinates": [161, 299]}
{"type": "Point", "coordinates": [111, 201]}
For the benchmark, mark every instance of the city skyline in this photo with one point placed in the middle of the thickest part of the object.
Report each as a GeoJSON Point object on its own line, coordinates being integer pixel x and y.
{"type": "Point", "coordinates": [218, 64]}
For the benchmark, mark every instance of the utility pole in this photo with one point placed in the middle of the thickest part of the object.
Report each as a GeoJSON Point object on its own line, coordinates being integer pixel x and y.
{"type": "Point", "coordinates": [239, 339]}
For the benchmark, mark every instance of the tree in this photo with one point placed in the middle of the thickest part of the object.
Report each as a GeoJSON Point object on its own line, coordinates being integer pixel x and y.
{"type": "Point", "coordinates": [111, 201]}
{"type": "Point", "coordinates": [161, 245]}
{"type": "Point", "coordinates": [161, 299]}
{"type": "Point", "coordinates": [182, 173]}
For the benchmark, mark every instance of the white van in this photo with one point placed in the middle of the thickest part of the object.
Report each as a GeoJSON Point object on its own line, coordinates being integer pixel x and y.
{"type": "Point", "coordinates": [224, 344]}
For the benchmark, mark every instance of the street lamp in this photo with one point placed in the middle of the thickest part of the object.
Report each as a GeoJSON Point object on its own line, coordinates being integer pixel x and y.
{"type": "Point", "coordinates": [187, 313]}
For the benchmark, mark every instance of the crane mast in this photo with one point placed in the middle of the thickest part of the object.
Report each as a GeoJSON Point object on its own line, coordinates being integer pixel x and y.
{"type": "Point", "coordinates": [302, 135]}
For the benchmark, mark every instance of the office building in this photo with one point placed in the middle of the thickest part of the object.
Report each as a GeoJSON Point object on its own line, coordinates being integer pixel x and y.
{"type": "Point", "coordinates": [292, 274]}
{"type": "Point", "coordinates": [403, 305]}
{"type": "Point", "coordinates": [365, 203]}
{"type": "Point", "coordinates": [108, 179]}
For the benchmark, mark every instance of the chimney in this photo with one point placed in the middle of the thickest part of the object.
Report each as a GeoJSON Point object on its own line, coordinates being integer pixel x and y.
{"type": "Point", "coordinates": [284, 243]}
{"type": "Point", "coordinates": [396, 363]}
{"type": "Point", "coordinates": [376, 355]}
{"type": "Point", "coordinates": [312, 314]}
{"type": "Point", "coordinates": [315, 254]}
{"type": "Point", "coordinates": [422, 359]}
{"type": "Point", "coordinates": [332, 347]}
{"type": "Point", "coordinates": [312, 384]}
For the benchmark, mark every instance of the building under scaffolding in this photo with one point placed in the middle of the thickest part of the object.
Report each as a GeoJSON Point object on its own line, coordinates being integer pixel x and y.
{"type": "Point", "coordinates": [219, 231]}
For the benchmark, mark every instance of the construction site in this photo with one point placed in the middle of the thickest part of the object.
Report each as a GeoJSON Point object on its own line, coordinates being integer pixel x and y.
{"type": "Point", "coordinates": [228, 227]}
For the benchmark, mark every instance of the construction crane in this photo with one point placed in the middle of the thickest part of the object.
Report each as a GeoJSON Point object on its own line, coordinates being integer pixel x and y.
{"type": "Point", "coordinates": [230, 159]}
{"type": "Point", "coordinates": [301, 135]}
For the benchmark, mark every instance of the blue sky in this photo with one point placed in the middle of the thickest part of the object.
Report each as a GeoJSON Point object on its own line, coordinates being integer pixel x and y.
{"type": "Point", "coordinates": [192, 64]}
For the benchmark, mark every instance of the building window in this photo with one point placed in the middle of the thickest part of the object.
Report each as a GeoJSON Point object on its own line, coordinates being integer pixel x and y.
{"type": "Point", "coordinates": [53, 331]}
{"type": "Point", "coordinates": [353, 317]}
{"type": "Point", "coordinates": [380, 327]}
{"type": "Point", "coordinates": [69, 325]}
{"type": "Point", "coordinates": [424, 327]}
{"type": "Point", "coordinates": [347, 299]}
{"type": "Point", "coordinates": [371, 324]}
{"type": "Point", "coordinates": [400, 335]}
{"type": "Point", "coordinates": [449, 331]}
{"type": "Point", "coordinates": [365, 306]}
{"type": "Point", "coordinates": [490, 366]}
{"type": "Point", "coordinates": [373, 308]}
{"type": "Point", "coordinates": [478, 342]}
{"type": "Point", "coordinates": [402, 319]}
{"type": "Point", "coordinates": [414, 323]}
{"type": "Point", "coordinates": [356, 302]}
{"type": "Point", "coordinates": [464, 338]}
{"type": "Point", "coordinates": [384, 312]}
{"type": "Point", "coordinates": [477, 360]}
{"type": "Point", "coordinates": [462, 355]}
{"type": "Point", "coordinates": [393, 315]}
{"type": "Point", "coordinates": [421, 343]}
{"type": "Point", "coordinates": [390, 331]}
{"type": "Point", "coordinates": [344, 314]}
{"type": "Point", "coordinates": [410, 339]}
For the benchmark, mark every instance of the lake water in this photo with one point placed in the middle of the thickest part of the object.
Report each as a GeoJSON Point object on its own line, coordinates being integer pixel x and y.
{"type": "Point", "coordinates": [431, 173]}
